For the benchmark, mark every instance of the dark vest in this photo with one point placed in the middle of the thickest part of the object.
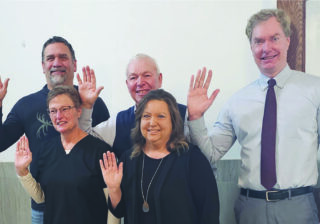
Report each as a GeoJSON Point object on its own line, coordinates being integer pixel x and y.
{"type": "Point", "coordinates": [125, 122]}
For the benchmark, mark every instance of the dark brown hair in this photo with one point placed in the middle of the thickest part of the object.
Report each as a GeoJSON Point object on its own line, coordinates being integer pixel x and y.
{"type": "Point", "coordinates": [177, 140]}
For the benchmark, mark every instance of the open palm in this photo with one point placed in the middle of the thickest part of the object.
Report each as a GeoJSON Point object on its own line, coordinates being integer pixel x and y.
{"type": "Point", "coordinates": [87, 87]}
{"type": "Point", "coordinates": [23, 156]}
{"type": "Point", "coordinates": [198, 100]}
{"type": "Point", "coordinates": [112, 173]}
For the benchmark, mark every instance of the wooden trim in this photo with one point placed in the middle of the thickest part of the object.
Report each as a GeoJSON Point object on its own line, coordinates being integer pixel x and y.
{"type": "Point", "coordinates": [296, 9]}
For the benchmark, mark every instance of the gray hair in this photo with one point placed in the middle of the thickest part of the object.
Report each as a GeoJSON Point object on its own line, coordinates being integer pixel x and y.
{"type": "Point", "coordinates": [266, 14]}
{"type": "Point", "coordinates": [143, 56]}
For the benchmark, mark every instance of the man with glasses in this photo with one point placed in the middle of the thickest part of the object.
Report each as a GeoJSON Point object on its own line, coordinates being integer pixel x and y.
{"type": "Point", "coordinates": [29, 115]}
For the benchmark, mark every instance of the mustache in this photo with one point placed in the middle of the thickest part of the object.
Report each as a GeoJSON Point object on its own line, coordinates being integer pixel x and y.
{"type": "Point", "coordinates": [57, 70]}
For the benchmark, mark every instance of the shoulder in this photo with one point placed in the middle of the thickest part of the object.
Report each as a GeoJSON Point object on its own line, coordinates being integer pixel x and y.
{"type": "Point", "coordinates": [307, 85]}
{"type": "Point", "coordinates": [302, 77]}
{"type": "Point", "coordinates": [127, 111]}
{"type": "Point", "coordinates": [126, 116]}
{"type": "Point", "coordinates": [247, 89]}
{"type": "Point", "coordinates": [237, 101]}
{"type": "Point", "coordinates": [182, 106]}
{"type": "Point", "coordinates": [190, 152]}
{"type": "Point", "coordinates": [33, 97]}
{"type": "Point", "coordinates": [197, 159]}
{"type": "Point", "coordinates": [96, 143]}
{"type": "Point", "coordinates": [195, 151]}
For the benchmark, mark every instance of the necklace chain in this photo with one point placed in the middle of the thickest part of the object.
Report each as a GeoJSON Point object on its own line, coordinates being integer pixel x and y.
{"type": "Point", "coordinates": [146, 198]}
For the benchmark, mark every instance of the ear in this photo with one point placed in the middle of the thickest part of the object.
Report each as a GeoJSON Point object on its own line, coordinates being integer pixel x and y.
{"type": "Point", "coordinates": [43, 67]}
{"type": "Point", "coordinates": [251, 45]}
{"type": "Point", "coordinates": [160, 79]}
{"type": "Point", "coordinates": [79, 111]}
{"type": "Point", "coordinates": [288, 41]}
{"type": "Point", "coordinates": [75, 65]}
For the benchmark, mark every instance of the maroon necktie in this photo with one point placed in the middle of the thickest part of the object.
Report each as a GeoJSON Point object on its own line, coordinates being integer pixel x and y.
{"type": "Point", "coordinates": [268, 139]}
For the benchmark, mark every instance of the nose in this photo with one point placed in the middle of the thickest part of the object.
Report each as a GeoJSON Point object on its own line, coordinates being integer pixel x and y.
{"type": "Point", "coordinates": [58, 114]}
{"type": "Point", "coordinates": [57, 62]}
{"type": "Point", "coordinates": [267, 45]}
{"type": "Point", "coordinates": [140, 80]}
{"type": "Point", "coordinates": [153, 121]}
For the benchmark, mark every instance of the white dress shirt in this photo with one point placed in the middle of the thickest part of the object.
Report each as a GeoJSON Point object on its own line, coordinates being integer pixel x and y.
{"type": "Point", "coordinates": [106, 130]}
{"type": "Point", "coordinates": [297, 137]}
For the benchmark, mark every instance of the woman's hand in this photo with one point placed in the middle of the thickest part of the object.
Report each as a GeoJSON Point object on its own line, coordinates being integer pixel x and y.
{"type": "Point", "coordinates": [23, 157]}
{"type": "Point", "coordinates": [112, 175]}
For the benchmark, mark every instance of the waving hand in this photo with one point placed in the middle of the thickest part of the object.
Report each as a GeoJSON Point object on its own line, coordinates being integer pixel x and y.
{"type": "Point", "coordinates": [198, 100]}
{"type": "Point", "coordinates": [23, 157]}
{"type": "Point", "coordinates": [3, 89]}
{"type": "Point", "coordinates": [87, 87]}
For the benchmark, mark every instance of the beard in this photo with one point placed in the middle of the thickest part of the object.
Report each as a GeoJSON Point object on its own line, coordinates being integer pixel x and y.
{"type": "Point", "coordinates": [56, 80]}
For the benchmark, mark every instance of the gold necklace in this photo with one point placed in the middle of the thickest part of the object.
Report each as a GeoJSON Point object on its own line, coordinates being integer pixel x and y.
{"type": "Point", "coordinates": [145, 205]}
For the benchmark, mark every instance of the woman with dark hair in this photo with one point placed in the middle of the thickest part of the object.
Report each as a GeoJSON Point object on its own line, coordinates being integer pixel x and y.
{"type": "Point", "coordinates": [163, 180]}
{"type": "Point", "coordinates": [69, 177]}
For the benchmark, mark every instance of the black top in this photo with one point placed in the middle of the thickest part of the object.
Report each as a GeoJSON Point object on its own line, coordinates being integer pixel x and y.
{"type": "Point", "coordinates": [73, 183]}
{"type": "Point", "coordinates": [29, 116]}
{"type": "Point", "coordinates": [184, 190]}
{"type": "Point", "coordinates": [150, 167]}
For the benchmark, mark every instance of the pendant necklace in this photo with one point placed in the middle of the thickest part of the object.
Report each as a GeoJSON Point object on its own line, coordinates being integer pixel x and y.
{"type": "Point", "coordinates": [145, 205]}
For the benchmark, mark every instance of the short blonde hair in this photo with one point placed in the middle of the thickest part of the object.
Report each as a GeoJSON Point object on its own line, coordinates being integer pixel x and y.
{"type": "Point", "coordinates": [266, 14]}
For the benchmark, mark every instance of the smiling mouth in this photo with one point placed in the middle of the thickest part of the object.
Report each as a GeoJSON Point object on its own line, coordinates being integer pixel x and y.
{"type": "Point", "coordinates": [268, 57]}
{"type": "Point", "coordinates": [142, 92]}
{"type": "Point", "coordinates": [60, 71]}
{"type": "Point", "coordinates": [61, 123]}
{"type": "Point", "coordinates": [153, 131]}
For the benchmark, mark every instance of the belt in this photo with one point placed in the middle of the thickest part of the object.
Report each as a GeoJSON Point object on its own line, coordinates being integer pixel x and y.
{"type": "Point", "coordinates": [276, 195]}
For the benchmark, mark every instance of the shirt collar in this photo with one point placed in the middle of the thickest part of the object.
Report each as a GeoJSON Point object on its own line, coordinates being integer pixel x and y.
{"type": "Point", "coordinates": [281, 78]}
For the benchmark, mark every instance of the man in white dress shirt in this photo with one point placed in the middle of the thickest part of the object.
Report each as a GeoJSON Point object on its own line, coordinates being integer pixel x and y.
{"type": "Point", "coordinates": [142, 76]}
{"type": "Point", "coordinates": [290, 198]}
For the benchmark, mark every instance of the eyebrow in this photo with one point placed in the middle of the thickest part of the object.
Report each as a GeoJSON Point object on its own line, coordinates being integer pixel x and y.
{"type": "Point", "coordinates": [135, 74]}
{"type": "Point", "coordinates": [59, 55]}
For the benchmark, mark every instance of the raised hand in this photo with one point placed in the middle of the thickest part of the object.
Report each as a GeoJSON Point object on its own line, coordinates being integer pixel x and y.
{"type": "Point", "coordinates": [198, 100]}
{"type": "Point", "coordinates": [3, 89]}
{"type": "Point", "coordinates": [23, 157]}
{"type": "Point", "coordinates": [112, 173]}
{"type": "Point", "coordinates": [87, 87]}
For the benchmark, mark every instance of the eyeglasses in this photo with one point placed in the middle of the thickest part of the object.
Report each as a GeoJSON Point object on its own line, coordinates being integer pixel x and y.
{"type": "Point", "coordinates": [63, 110]}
